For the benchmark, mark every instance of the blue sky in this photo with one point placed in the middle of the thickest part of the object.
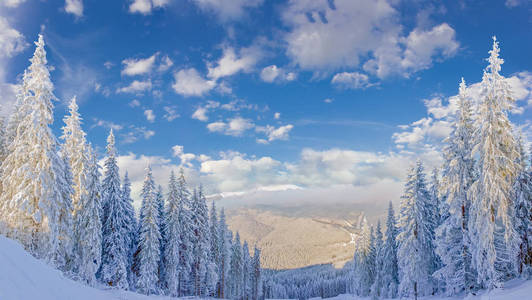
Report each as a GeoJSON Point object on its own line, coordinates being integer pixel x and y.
{"type": "Point", "coordinates": [259, 97]}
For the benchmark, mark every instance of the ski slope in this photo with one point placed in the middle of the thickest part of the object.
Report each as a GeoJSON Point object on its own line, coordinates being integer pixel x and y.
{"type": "Point", "coordinates": [23, 277]}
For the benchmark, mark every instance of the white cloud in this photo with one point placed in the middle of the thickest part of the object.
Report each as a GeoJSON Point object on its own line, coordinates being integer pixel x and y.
{"type": "Point", "coordinates": [353, 80]}
{"type": "Point", "coordinates": [136, 87]}
{"type": "Point", "coordinates": [227, 10]}
{"type": "Point", "coordinates": [514, 3]}
{"type": "Point", "coordinates": [106, 124]}
{"type": "Point", "coordinates": [188, 82]}
{"type": "Point", "coordinates": [230, 63]}
{"type": "Point", "coordinates": [324, 36]}
{"type": "Point", "coordinates": [12, 41]}
{"type": "Point", "coordinates": [150, 116]}
{"type": "Point", "coordinates": [170, 113]}
{"type": "Point", "coordinates": [177, 150]}
{"type": "Point", "coordinates": [145, 7]}
{"type": "Point", "coordinates": [186, 158]}
{"type": "Point", "coordinates": [138, 66]}
{"type": "Point", "coordinates": [74, 7]}
{"type": "Point", "coordinates": [277, 115]}
{"type": "Point", "coordinates": [272, 133]}
{"type": "Point", "coordinates": [166, 63]}
{"type": "Point", "coordinates": [273, 73]}
{"type": "Point", "coordinates": [133, 133]}
{"type": "Point", "coordinates": [134, 103]}
{"type": "Point", "coordinates": [12, 3]}
{"type": "Point", "coordinates": [234, 127]}
{"type": "Point", "coordinates": [328, 100]}
{"type": "Point", "coordinates": [108, 65]}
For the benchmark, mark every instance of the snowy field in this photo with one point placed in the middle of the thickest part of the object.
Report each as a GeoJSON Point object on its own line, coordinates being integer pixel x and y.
{"type": "Point", "coordinates": [22, 277]}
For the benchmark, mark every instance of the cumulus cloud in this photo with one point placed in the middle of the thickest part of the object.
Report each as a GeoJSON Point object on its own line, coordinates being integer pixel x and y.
{"type": "Point", "coordinates": [227, 10]}
{"type": "Point", "coordinates": [230, 63]}
{"type": "Point", "coordinates": [139, 66]}
{"type": "Point", "coordinates": [277, 115]}
{"type": "Point", "coordinates": [201, 112]}
{"type": "Point", "coordinates": [74, 7]}
{"type": "Point", "coordinates": [145, 7]}
{"type": "Point", "coordinates": [134, 103]}
{"type": "Point", "coordinates": [188, 82]}
{"type": "Point", "coordinates": [166, 63]}
{"type": "Point", "coordinates": [233, 127]}
{"type": "Point", "coordinates": [150, 116]}
{"type": "Point", "coordinates": [272, 133]}
{"type": "Point", "coordinates": [324, 36]}
{"type": "Point", "coordinates": [352, 80]}
{"type": "Point", "coordinates": [12, 42]}
{"type": "Point", "coordinates": [12, 3]}
{"type": "Point", "coordinates": [170, 113]}
{"type": "Point", "coordinates": [273, 73]}
{"type": "Point", "coordinates": [136, 87]}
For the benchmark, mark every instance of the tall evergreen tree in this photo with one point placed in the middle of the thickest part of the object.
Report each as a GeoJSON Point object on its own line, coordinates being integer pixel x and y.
{"type": "Point", "coordinates": [377, 285]}
{"type": "Point", "coordinates": [171, 254]}
{"type": "Point", "coordinates": [415, 252]}
{"type": "Point", "coordinates": [452, 237]}
{"type": "Point", "coordinates": [85, 211]}
{"type": "Point", "coordinates": [523, 202]}
{"type": "Point", "coordinates": [235, 273]}
{"type": "Point", "coordinates": [256, 286]}
{"type": "Point", "coordinates": [36, 202]}
{"type": "Point", "coordinates": [130, 227]}
{"type": "Point", "coordinates": [149, 239]}
{"type": "Point", "coordinates": [363, 261]}
{"type": "Point", "coordinates": [215, 242]}
{"type": "Point", "coordinates": [246, 272]}
{"type": "Point", "coordinates": [390, 276]}
{"type": "Point", "coordinates": [491, 230]}
{"type": "Point", "coordinates": [113, 270]}
{"type": "Point", "coordinates": [224, 264]}
{"type": "Point", "coordinates": [185, 284]}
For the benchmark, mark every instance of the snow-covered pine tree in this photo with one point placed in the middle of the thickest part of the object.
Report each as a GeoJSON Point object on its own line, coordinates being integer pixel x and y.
{"type": "Point", "coordinates": [185, 283]}
{"type": "Point", "coordinates": [90, 237]}
{"type": "Point", "coordinates": [171, 255]}
{"type": "Point", "coordinates": [224, 264]}
{"type": "Point", "coordinates": [35, 209]}
{"type": "Point", "coordinates": [75, 152]}
{"type": "Point", "coordinates": [3, 139]}
{"type": "Point", "coordinates": [494, 241]}
{"type": "Point", "coordinates": [130, 227]}
{"type": "Point", "coordinates": [390, 275]}
{"type": "Point", "coordinates": [452, 237]}
{"type": "Point", "coordinates": [149, 239]}
{"type": "Point", "coordinates": [363, 264]}
{"type": "Point", "coordinates": [377, 285]}
{"type": "Point", "coordinates": [522, 190]}
{"type": "Point", "coordinates": [159, 199]}
{"type": "Point", "coordinates": [215, 242]}
{"type": "Point", "coordinates": [246, 271]}
{"type": "Point", "coordinates": [415, 252]}
{"type": "Point", "coordinates": [113, 270]}
{"type": "Point", "coordinates": [235, 273]}
{"type": "Point", "coordinates": [203, 271]}
{"type": "Point", "coordinates": [256, 279]}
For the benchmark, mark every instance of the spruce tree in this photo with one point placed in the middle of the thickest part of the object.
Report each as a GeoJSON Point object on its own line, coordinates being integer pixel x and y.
{"type": "Point", "coordinates": [377, 285]}
{"type": "Point", "coordinates": [149, 239]}
{"type": "Point", "coordinates": [452, 237]}
{"type": "Point", "coordinates": [130, 227]}
{"type": "Point", "coordinates": [171, 254]}
{"type": "Point", "coordinates": [185, 283]}
{"type": "Point", "coordinates": [390, 277]}
{"type": "Point", "coordinates": [523, 221]}
{"type": "Point", "coordinates": [256, 287]}
{"type": "Point", "coordinates": [36, 202]}
{"type": "Point", "coordinates": [113, 270]}
{"type": "Point", "coordinates": [224, 265]}
{"type": "Point", "coordinates": [492, 233]}
{"type": "Point", "coordinates": [415, 251]}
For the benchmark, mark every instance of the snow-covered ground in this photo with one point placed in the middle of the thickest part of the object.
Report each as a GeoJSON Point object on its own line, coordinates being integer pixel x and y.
{"type": "Point", "coordinates": [22, 277]}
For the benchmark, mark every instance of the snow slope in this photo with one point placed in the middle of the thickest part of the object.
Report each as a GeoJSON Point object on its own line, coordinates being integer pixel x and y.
{"type": "Point", "coordinates": [23, 277]}
{"type": "Point", "coordinates": [516, 289]}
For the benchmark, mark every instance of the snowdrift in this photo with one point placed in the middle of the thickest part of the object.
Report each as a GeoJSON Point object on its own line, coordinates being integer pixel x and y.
{"type": "Point", "coordinates": [23, 277]}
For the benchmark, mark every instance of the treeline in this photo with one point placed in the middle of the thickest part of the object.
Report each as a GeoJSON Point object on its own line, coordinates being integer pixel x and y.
{"type": "Point", "coordinates": [53, 202]}
{"type": "Point", "coordinates": [469, 228]}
